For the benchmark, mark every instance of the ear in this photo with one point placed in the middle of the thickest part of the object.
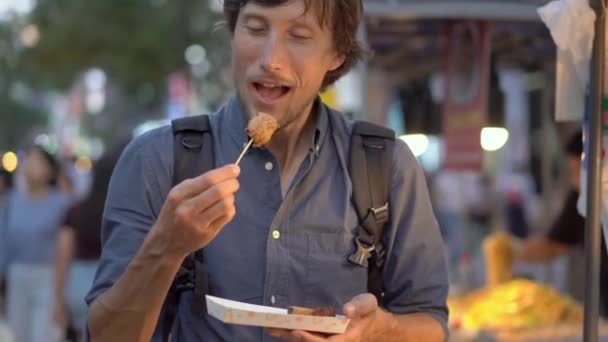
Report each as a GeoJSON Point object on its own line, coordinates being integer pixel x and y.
{"type": "Point", "coordinates": [336, 62]}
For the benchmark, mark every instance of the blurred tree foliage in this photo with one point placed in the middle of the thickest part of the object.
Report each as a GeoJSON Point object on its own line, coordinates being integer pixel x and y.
{"type": "Point", "coordinates": [17, 118]}
{"type": "Point", "coordinates": [137, 42]}
{"type": "Point", "coordinates": [17, 121]}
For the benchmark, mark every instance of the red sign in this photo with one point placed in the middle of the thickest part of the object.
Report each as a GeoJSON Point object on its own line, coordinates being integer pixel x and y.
{"type": "Point", "coordinates": [467, 75]}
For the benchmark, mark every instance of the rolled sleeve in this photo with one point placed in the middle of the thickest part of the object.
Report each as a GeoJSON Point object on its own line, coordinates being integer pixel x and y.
{"type": "Point", "coordinates": [137, 189]}
{"type": "Point", "coordinates": [415, 274]}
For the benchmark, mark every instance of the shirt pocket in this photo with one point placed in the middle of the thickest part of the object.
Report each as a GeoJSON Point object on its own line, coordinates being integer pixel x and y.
{"type": "Point", "coordinates": [331, 279]}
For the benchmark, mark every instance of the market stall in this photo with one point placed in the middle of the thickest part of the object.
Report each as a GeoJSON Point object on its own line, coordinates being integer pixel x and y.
{"type": "Point", "coordinates": [409, 39]}
{"type": "Point", "coordinates": [511, 309]}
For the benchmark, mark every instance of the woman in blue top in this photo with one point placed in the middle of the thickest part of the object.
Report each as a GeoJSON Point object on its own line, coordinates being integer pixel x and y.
{"type": "Point", "coordinates": [33, 219]}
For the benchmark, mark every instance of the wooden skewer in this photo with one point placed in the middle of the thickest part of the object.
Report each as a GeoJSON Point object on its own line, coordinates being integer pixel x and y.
{"type": "Point", "coordinates": [244, 151]}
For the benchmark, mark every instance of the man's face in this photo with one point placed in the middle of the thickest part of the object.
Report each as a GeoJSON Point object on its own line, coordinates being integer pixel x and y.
{"type": "Point", "coordinates": [280, 57]}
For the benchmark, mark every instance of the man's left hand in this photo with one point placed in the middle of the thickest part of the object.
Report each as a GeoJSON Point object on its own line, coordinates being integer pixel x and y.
{"type": "Point", "coordinates": [365, 316]}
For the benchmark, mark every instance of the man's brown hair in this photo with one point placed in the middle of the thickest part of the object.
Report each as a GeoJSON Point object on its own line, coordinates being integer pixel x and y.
{"type": "Point", "coordinates": [341, 16]}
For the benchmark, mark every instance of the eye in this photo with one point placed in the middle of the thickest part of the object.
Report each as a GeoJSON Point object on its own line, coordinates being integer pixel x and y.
{"type": "Point", "coordinates": [255, 29]}
{"type": "Point", "coordinates": [301, 37]}
{"type": "Point", "coordinates": [301, 34]}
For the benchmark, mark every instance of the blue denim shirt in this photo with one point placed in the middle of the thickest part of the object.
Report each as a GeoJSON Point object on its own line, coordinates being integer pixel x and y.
{"type": "Point", "coordinates": [280, 251]}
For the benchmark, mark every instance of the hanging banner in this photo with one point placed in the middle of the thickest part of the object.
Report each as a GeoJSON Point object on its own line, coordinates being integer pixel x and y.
{"type": "Point", "coordinates": [467, 75]}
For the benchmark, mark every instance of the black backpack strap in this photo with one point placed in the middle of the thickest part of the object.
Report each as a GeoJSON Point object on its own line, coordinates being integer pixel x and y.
{"type": "Point", "coordinates": [370, 168]}
{"type": "Point", "coordinates": [192, 156]}
{"type": "Point", "coordinates": [190, 135]}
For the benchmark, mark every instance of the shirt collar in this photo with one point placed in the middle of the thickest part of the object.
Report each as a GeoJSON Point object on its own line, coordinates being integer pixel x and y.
{"type": "Point", "coordinates": [322, 128]}
{"type": "Point", "coordinates": [235, 122]}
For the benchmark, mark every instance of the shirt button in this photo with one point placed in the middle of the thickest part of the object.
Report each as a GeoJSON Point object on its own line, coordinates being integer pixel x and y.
{"type": "Point", "coordinates": [269, 166]}
{"type": "Point", "coordinates": [273, 300]}
{"type": "Point", "coordinates": [276, 234]}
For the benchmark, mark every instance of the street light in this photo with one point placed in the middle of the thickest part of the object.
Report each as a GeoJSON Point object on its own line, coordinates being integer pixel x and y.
{"type": "Point", "coordinates": [493, 138]}
{"type": "Point", "coordinates": [10, 161]}
{"type": "Point", "coordinates": [418, 143]}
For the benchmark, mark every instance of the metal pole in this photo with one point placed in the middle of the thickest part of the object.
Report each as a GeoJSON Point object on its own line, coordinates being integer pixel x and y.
{"type": "Point", "coordinates": [594, 159]}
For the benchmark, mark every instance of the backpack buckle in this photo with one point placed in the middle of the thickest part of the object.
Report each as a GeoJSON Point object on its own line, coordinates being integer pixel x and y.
{"type": "Point", "coordinates": [192, 143]}
{"type": "Point", "coordinates": [362, 254]}
{"type": "Point", "coordinates": [380, 214]}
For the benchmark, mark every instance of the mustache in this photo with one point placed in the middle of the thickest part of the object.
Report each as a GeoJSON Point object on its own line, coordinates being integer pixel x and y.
{"type": "Point", "coordinates": [271, 78]}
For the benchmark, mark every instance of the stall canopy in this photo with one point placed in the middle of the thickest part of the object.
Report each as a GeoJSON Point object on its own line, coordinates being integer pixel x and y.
{"type": "Point", "coordinates": [520, 10]}
{"type": "Point", "coordinates": [407, 36]}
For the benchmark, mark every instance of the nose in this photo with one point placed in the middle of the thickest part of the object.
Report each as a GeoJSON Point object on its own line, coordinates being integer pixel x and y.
{"type": "Point", "coordinates": [274, 54]}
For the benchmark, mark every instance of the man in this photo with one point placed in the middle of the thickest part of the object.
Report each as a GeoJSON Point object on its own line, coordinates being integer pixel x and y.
{"type": "Point", "coordinates": [568, 230]}
{"type": "Point", "coordinates": [279, 231]}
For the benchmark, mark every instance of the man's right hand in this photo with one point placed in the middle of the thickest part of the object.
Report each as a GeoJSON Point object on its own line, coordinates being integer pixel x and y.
{"type": "Point", "coordinates": [196, 210]}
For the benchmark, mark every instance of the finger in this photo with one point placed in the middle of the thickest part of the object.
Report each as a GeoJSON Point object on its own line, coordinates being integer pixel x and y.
{"type": "Point", "coordinates": [219, 224]}
{"type": "Point", "coordinates": [216, 226]}
{"type": "Point", "coordinates": [305, 336]}
{"type": "Point", "coordinates": [296, 335]}
{"type": "Point", "coordinates": [194, 186]}
{"type": "Point", "coordinates": [361, 305]}
{"type": "Point", "coordinates": [219, 210]}
{"type": "Point", "coordinates": [196, 212]}
{"type": "Point", "coordinates": [223, 191]}
{"type": "Point", "coordinates": [352, 333]}
{"type": "Point", "coordinates": [279, 333]}
{"type": "Point", "coordinates": [340, 338]}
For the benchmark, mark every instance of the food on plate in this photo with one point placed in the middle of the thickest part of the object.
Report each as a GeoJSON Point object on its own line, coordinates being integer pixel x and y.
{"type": "Point", "coordinates": [322, 311]}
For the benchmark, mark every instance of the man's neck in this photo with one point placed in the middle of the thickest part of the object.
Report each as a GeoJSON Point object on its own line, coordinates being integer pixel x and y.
{"type": "Point", "coordinates": [289, 139]}
{"type": "Point", "coordinates": [291, 143]}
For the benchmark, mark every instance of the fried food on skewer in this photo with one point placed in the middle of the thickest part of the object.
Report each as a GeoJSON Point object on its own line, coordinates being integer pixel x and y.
{"type": "Point", "coordinates": [260, 130]}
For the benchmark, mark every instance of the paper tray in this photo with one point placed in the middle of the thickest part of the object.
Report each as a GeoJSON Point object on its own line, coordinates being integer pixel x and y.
{"type": "Point", "coordinates": [233, 312]}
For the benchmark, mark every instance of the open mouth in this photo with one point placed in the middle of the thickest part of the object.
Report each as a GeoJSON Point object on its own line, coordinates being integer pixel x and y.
{"type": "Point", "coordinates": [270, 92]}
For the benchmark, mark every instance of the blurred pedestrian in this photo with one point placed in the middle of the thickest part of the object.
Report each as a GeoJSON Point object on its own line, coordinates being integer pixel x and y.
{"type": "Point", "coordinates": [567, 231]}
{"type": "Point", "coordinates": [6, 184]}
{"type": "Point", "coordinates": [79, 248]}
{"type": "Point", "coordinates": [33, 217]}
